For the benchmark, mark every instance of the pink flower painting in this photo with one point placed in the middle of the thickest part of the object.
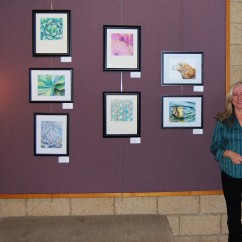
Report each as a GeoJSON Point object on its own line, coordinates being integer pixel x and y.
{"type": "Point", "coordinates": [122, 44]}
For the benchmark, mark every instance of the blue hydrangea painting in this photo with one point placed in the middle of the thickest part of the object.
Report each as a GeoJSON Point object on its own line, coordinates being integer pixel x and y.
{"type": "Point", "coordinates": [51, 28]}
{"type": "Point", "coordinates": [51, 85]}
{"type": "Point", "coordinates": [51, 134]}
{"type": "Point", "coordinates": [122, 110]}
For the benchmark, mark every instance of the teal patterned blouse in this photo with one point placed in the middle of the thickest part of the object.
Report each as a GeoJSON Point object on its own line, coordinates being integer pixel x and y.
{"type": "Point", "coordinates": [227, 137]}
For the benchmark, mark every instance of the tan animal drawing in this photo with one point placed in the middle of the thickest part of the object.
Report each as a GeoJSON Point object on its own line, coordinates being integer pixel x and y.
{"type": "Point", "coordinates": [187, 71]}
{"type": "Point", "coordinates": [177, 111]}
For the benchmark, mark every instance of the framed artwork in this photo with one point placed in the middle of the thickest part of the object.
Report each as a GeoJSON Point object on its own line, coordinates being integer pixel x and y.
{"type": "Point", "coordinates": [122, 48]}
{"type": "Point", "coordinates": [181, 68]}
{"type": "Point", "coordinates": [51, 134]}
{"type": "Point", "coordinates": [182, 112]}
{"type": "Point", "coordinates": [121, 114]}
{"type": "Point", "coordinates": [51, 32]}
{"type": "Point", "coordinates": [51, 85]}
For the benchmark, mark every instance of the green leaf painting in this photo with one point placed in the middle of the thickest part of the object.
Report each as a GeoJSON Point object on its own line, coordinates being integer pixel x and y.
{"type": "Point", "coordinates": [51, 29]}
{"type": "Point", "coordinates": [51, 85]}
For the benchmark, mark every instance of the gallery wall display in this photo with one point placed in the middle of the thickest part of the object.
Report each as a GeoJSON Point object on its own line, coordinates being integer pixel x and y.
{"type": "Point", "coordinates": [51, 84]}
{"type": "Point", "coordinates": [182, 112]}
{"type": "Point", "coordinates": [51, 134]}
{"type": "Point", "coordinates": [51, 32]}
{"type": "Point", "coordinates": [122, 48]}
{"type": "Point", "coordinates": [133, 165]}
{"type": "Point", "coordinates": [121, 114]}
{"type": "Point", "coordinates": [181, 68]}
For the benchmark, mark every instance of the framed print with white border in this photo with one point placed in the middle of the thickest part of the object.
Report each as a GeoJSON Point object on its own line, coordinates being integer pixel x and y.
{"type": "Point", "coordinates": [51, 134]}
{"type": "Point", "coordinates": [182, 112]}
{"type": "Point", "coordinates": [181, 68]}
{"type": "Point", "coordinates": [51, 32]}
{"type": "Point", "coordinates": [51, 85]}
{"type": "Point", "coordinates": [122, 48]}
{"type": "Point", "coordinates": [121, 114]}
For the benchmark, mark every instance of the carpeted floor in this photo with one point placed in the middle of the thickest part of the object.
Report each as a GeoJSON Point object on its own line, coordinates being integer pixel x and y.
{"type": "Point", "coordinates": [107, 228]}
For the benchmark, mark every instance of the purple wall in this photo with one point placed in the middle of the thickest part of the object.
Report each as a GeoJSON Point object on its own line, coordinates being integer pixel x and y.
{"type": "Point", "coordinates": [166, 159]}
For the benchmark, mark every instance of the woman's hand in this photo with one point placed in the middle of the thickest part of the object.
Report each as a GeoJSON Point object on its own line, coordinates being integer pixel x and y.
{"type": "Point", "coordinates": [235, 157]}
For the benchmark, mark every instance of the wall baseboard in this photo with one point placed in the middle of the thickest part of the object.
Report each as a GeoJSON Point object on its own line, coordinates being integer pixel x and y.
{"type": "Point", "coordinates": [110, 195]}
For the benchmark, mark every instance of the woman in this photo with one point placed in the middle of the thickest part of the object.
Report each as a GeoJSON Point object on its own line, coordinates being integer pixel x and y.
{"type": "Point", "coordinates": [227, 148]}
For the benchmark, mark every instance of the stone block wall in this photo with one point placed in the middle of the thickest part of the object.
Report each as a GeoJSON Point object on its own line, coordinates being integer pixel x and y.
{"type": "Point", "coordinates": [192, 218]}
{"type": "Point", "coordinates": [235, 40]}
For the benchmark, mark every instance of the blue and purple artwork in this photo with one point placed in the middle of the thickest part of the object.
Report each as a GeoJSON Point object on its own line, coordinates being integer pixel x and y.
{"type": "Point", "coordinates": [51, 134]}
{"type": "Point", "coordinates": [122, 110]}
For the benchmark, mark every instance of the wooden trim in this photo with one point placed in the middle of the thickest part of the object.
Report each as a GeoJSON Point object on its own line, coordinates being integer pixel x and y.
{"type": "Point", "coordinates": [110, 195]}
{"type": "Point", "coordinates": [227, 45]}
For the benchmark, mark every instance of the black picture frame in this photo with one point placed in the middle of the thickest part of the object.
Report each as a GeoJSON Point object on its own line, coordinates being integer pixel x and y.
{"type": "Point", "coordinates": [51, 32]}
{"type": "Point", "coordinates": [121, 48]}
{"type": "Point", "coordinates": [51, 134]}
{"type": "Point", "coordinates": [121, 114]}
{"type": "Point", "coordinates": [182, 112]}
{"type": "Point", "coordinates": [182, 67]}
{"type": "Point", "coordinates": [51, 85]}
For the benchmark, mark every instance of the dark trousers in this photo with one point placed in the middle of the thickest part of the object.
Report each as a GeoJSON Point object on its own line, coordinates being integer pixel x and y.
{"type": "Point", "coordinates": [232, 189]}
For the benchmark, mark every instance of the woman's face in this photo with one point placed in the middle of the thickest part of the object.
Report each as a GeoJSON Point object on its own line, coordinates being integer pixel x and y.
{"type": "Point", "coordinates": [237, 98]}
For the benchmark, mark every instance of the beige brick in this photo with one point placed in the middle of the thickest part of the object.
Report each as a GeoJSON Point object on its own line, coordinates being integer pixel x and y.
{"type": "Point", "coordinates": [236, 55]}
{"type": "Point", "coordinates": [178, 205]}
{"type": "Point", "coordinates": [92, 206]}
{"type": "Point", "coordinates": [187, 239]}
{"type": "Point", "coordinates": [138, 205]}
{"type": "Point", "coordinates": [235, 74]}
{"type": "Point", "coordinates": [235, 12]}
{"type": "Point", "coordinates": [217, 238]}
{"type": "Point", "coordinates": [12, 207]}
{"type": "Point", "coordinates": [236, 34]}
{"type": "Point", "coordinates": [213, 204]}
{"type": "Point", "coordinates": [200, 224]}
{"type": "Point", "coordinates": [224, 224]}
{"type": "Point", "coordinates": [48, 207]}
{"type": "Point", "coordinates": [174, 223]}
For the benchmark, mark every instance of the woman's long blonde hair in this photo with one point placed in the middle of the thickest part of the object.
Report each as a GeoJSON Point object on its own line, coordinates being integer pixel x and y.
{"type": "Point", "coordinates": [229, 107]}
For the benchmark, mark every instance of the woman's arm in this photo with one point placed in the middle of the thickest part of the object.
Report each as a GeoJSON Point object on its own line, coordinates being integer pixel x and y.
{"type": "Point", "coordinates": [235, 157]}
{"type": "Point", "coordinates": [218, 144]}
{"type": "Point", "coordinates": [218, 147]}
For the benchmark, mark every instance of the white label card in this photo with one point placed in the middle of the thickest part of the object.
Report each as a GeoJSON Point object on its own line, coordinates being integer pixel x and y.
{"type": "Point", "coordinates": [64, 159]}
{"type": "Point", "coordinates": [197, 131]}
{"type": "Point", "coordinates": [198, 88]}
{"type": "Point", "coordinates": [135, 74]}
{"type": "Point", "coordinates": [135, 140]}
{"type": "Point", "coordinates": [66, 59]}
{"type": "Point", "coordinates": [67, 105]}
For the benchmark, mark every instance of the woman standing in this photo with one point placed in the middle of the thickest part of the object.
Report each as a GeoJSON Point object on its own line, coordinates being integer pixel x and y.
{"type": "Point", "coordinates": [227, 149]}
